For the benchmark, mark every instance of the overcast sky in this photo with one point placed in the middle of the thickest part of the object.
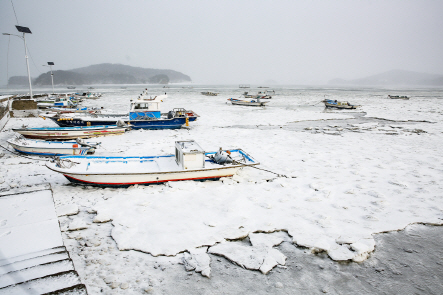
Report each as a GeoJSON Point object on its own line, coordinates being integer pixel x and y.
{"type": "Point", "coordinates": [238, 42]}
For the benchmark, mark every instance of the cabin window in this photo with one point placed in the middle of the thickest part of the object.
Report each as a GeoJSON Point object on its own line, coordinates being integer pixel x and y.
{"type": "Point", "coordinates": [141, 106]}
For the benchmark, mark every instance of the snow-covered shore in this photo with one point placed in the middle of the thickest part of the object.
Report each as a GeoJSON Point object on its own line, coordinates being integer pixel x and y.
{"type": "Point", "coordinates": [343, 184]}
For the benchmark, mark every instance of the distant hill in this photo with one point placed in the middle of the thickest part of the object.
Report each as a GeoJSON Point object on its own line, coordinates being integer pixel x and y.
{"type": "Point", "coordinates": [395, 77]}
{"type": "Point", "coordinates": [107, 74]}
{"type": "Point", "coordinates": [61, 78]}
{"type": "Point", "coordinates": [139, 75]}
{"type": "Point", "coordinates": [19, 80]}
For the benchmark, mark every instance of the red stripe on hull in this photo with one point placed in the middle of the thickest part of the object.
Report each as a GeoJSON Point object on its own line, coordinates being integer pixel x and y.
{"type": "Point", "coordinates": [148, 182]}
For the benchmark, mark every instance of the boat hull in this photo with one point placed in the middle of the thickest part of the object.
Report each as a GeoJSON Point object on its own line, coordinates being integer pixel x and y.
{"type": "Point", "coordinates": [398, 97]}
{"type": "Point", "coordinates": [116, 180]}
{"type": "Point", "coordinates": [40, 151]}
{"type": "Point", "coordinates": [340, 107]}
{"type": "Point", "coordinates": [174, 123]}
{"type": "Point", "coordinates": [127, 171]}
{"type": "Point", "coordinates": [57, 134]}
{"type": "Point", "coordinates": [248, 103]}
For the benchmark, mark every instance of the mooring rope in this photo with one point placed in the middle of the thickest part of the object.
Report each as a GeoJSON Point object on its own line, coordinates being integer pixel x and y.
{"type": "Point", "coordinates": [255, 167]}
{"type": "Point", "coordinates": [252, 166]}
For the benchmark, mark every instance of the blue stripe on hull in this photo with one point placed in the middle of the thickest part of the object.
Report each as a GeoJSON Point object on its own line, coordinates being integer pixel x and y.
{"type": "Point", "coordinates": [41, 154]}
{"type": "Point", "coordinates": [176, 123]}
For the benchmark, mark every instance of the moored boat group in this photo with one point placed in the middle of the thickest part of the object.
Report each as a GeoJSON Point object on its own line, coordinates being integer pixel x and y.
{"type": "Point", "coordinates": [190, 161]}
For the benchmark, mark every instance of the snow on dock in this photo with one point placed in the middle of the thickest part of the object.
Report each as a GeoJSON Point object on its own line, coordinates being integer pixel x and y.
{"type": "Point", "coordinates": [33, 259]}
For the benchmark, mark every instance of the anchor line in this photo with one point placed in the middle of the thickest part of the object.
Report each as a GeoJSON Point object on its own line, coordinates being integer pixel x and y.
{"type": "Point", "coordinates": [278, 175]}
{"type": "Point", "coordinates": [255, 167]}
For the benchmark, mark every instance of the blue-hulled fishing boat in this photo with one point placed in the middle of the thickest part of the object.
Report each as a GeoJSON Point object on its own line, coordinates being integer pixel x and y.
{"type": "Point", "coordinates": [144, 114]}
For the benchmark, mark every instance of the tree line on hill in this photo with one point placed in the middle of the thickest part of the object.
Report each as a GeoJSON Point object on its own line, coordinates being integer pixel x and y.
{"type": "Point", "coordinates": [105, 74]}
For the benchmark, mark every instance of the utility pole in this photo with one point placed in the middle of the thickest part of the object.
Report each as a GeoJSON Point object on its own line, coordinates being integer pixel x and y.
{"type": "Point", "coordinates": [24, 30]}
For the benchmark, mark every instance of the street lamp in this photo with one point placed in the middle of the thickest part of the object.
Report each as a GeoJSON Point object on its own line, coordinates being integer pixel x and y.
{"type": "Point", "coordinates": [24, 30]}
{"type": "Point", "coordinates": [50, 64]}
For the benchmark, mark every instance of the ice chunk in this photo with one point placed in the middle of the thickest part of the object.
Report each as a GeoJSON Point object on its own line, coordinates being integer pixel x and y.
{"type": "Point", "coordinates": [272, 259]}
{"type": "Point", "coordinates": [67, 210]}
{"type": "Point", "coordinates": [202, 261]}
{"type": "Point", "coordinates": [362, 248]}
{"type": "Point", "coordinates": [245, 256]}
{"type": "Point", "coordinates": [260, 256]}
{"type": "Point", "coordinates": [102, 217]}
{"type": "Point", "coordinates": [265, 239]}
{"type": "Point", "coordinates": [340, 253]}
{"type": "Point", "coordinates": [77, 224]}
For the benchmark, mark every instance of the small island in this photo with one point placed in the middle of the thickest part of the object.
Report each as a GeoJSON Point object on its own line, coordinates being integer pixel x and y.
{"type": "Point", "coordinates": [106, 73]}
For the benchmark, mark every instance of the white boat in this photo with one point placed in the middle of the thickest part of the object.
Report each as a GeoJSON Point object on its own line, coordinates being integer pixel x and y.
{"type": "Point", "coordinates": [88, 95]}
{"type": "Point", "coordinates": [398, 97]}
{"type": "Point", "coordinates": [52, 148]}
{"type": "Point", "coordinates": [190, 162]}
{"type": "Point", "coordinates": [58, 102]}
{"type": "Point", "coordinates": [56, 133]}
{"type": "Point", "coordinates": [209, 93]}
{"type": "Point", "coordinates": [329, 103]}
{"type": "Point", "coordinates": [252, 102]}
{"type": "Point", "coordinates": [267, 94]}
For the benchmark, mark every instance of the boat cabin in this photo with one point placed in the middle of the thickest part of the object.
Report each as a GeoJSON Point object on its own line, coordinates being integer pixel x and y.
{"type": "Point", "coordinates": [189, 155]}
{"type": "Point", "coordinates": [338, 103]}
{"type": "Point", "coordinates": [142, 109]}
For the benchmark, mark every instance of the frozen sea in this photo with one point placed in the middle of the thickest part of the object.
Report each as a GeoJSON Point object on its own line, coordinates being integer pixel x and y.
{"type": "Point", "coordinates": [327, 223]}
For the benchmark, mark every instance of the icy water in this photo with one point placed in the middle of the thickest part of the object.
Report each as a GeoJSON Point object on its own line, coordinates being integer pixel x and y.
{"type": "Point", "coordinates": [351, 176]}
{"type": "Point", "coordinates": [405, 262]}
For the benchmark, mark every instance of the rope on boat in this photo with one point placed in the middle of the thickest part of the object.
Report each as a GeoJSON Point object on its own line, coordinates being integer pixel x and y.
{"type": "Point", "coordinates": [316, 103]}
{"type": "Point", "coordinates": [255, 167]}
{"type": "Point", "coordinates": [64, 163]}
{"type": "Point", "coordinates": [245, 165]}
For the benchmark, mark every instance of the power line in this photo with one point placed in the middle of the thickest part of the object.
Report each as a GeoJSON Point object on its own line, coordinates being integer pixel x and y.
{"type": "Point", "coordinates": [7, 64]}
{"type": "Point", "coordinates": [33, 60]}
{"type": "Point", "coordinates": [13, 8]}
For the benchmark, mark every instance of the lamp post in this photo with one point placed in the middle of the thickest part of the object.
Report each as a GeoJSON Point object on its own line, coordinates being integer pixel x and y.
{"type": "Point", "coordinates": [24, 30]}
{"type": "Point", "coordinates": [50, 64]}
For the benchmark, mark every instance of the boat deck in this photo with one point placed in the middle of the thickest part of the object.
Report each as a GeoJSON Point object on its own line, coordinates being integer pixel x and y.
{"type": "Point", "coordinates": [142, 165]}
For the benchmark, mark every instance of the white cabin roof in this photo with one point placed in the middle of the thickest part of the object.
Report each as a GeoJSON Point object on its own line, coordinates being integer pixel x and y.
{"type": "Point", "coordinates": [188, 146]}
{"type": "Point", "coordinates": [157, 98]}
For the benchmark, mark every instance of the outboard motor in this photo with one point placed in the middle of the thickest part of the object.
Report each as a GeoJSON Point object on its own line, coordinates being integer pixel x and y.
{"type": "Point", "coordinates": [222, 157]}
{"type": "Point", "coordinates": [171, 114]}
{"type": "Point", "coordinates": [121, 123]}
{"type": "Point", "coordinates": [83, 143]}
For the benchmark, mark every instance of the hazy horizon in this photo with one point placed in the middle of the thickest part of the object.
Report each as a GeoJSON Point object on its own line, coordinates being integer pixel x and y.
{"type": "Point", "coordinates": [229, 42]}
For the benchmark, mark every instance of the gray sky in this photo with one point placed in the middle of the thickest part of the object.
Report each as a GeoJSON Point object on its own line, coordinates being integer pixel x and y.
{"type": "Point", "coordinates": [229, 41]}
